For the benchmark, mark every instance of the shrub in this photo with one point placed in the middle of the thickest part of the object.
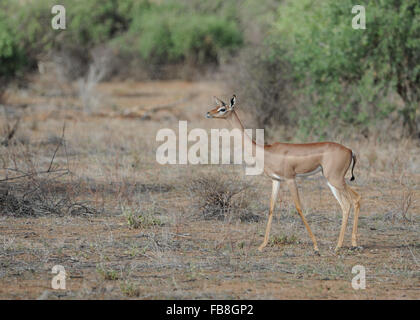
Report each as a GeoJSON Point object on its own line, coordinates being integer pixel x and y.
{"type": "Point", "coordinates": [163, 33]}
{"type": "Point", "coordinates": [136, 220]}
{"type": "Point", "coordinates": [107, 273]}
{"type": "Point", "coordinates": [282, 240]}
{"type": "Point", "coordinates": [217, 199]}
{"type": "Point", "coordinates": [95, 22]}
{"type": "Point", "coordinates": [129, 288]}
{"type": "Point", "coordinates": [263, 86]}
{"type": "Point", "coordinates": [11, 56]}
{"type": "Point", "coordinates": [347, 75]}
{"type": "Point", "coordinates": [173, 32]}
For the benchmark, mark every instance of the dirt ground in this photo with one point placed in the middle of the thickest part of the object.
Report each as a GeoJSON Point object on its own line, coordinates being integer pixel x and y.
{"type": "Point", "coordinates": [144, 237]}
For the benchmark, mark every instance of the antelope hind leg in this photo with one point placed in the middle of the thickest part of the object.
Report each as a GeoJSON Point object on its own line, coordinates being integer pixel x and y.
{"type": "Point", "coordinates": [274, 193]}
{"type": "Point", "coordinates": [295, 194]}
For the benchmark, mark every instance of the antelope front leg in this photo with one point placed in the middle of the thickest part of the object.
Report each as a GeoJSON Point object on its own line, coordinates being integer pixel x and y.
{"type": "Point", "coordinates": [274, 193]}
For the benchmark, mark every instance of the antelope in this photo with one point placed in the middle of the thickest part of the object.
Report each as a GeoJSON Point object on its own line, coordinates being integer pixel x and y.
{"type": "Point", "coordinates": [286, 161]}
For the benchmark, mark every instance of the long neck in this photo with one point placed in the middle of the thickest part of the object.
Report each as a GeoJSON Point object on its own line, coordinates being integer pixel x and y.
{"type": "Point", "coordinates": [257, 152]}
{"type": "Point", "coordinates": [236, 123]}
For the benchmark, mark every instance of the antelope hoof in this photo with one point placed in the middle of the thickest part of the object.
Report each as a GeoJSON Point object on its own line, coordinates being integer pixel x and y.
{"type": "Point", "coordinates": [316, 252]}
{"type": "Point", "coordinates": [261, 247]}
{"type": "Point", "coordinates": [356, 248]}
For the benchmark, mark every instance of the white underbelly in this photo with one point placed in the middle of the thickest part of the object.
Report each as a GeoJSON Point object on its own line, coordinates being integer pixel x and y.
{"type": "Point", "coordinates": [306, 174]}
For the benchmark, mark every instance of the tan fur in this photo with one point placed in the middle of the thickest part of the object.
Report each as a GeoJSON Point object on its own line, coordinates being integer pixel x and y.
{"type": "Point", "coordinates": [287, 160]}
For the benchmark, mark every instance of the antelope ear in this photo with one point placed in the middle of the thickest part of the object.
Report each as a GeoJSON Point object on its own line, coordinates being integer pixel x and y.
{"type": "Point", "coordinates": [218, 101]}
{"type": "Point", "coordinates": [232, 102]}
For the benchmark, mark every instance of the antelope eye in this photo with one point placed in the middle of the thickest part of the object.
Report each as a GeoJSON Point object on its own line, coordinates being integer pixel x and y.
{"type": "Point", "coordinates": [222, 110]}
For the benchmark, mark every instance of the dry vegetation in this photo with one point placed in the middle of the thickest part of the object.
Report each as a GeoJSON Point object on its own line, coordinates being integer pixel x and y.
{"type": "Point", "coordinates": [95, 201]}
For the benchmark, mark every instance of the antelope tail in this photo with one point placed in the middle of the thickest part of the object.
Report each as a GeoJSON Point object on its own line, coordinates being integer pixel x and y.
{"type": "Point", "coordinates": [354, 163]}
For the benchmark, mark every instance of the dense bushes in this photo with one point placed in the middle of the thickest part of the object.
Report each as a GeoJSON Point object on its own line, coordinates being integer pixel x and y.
{"type": "Point", "coordinates": [347, 76]}
{"type": "Point", "coordinates": [11, 56]}
{"type": "Point", "coordinates": [263, 85]}
{"type": "Point", "coordinates": [301, 63]}
{"type": "Point", "coordinates": [168, 33]}
{"type": "Point", "coordinates": [160, 33]}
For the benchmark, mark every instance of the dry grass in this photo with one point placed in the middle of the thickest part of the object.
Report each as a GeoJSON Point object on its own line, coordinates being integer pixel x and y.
{"type": "Point", "coordinates": [222, 198]}
{"type": "Point", "coordinates": [151, 236]}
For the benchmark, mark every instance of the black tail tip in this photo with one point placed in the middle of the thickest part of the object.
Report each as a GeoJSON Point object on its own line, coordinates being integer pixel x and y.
{"type": "Point", "coordinates": [352, 178]}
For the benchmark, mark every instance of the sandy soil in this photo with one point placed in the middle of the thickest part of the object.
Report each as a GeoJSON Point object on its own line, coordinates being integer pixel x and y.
{"type": "Point", "coordinates": [110, 152]}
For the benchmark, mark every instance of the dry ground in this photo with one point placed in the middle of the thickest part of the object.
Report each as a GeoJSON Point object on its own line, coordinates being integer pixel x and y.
{"type": "Point", "coordinates": [144, 237]}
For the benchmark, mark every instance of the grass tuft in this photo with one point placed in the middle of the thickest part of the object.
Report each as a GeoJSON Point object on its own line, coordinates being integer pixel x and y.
{"type": "Point", "coordinates": [217, 198]}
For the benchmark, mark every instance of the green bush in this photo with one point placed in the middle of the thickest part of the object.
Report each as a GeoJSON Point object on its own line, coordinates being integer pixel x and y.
{"type": "Point", "coordinates": [346, 76]}
{"type": "Point", "coordinates": [95, 22]}
{"type": "Point", "coordinates": [173, 32]}
{"type": "Point", "coordinates": [11, 56]}
{"type": "Point", "coordinates": [164, 33]}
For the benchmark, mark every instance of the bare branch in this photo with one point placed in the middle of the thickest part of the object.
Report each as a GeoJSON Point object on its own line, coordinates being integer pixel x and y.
{"type": "Point", "coordinates": [58, 147]}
